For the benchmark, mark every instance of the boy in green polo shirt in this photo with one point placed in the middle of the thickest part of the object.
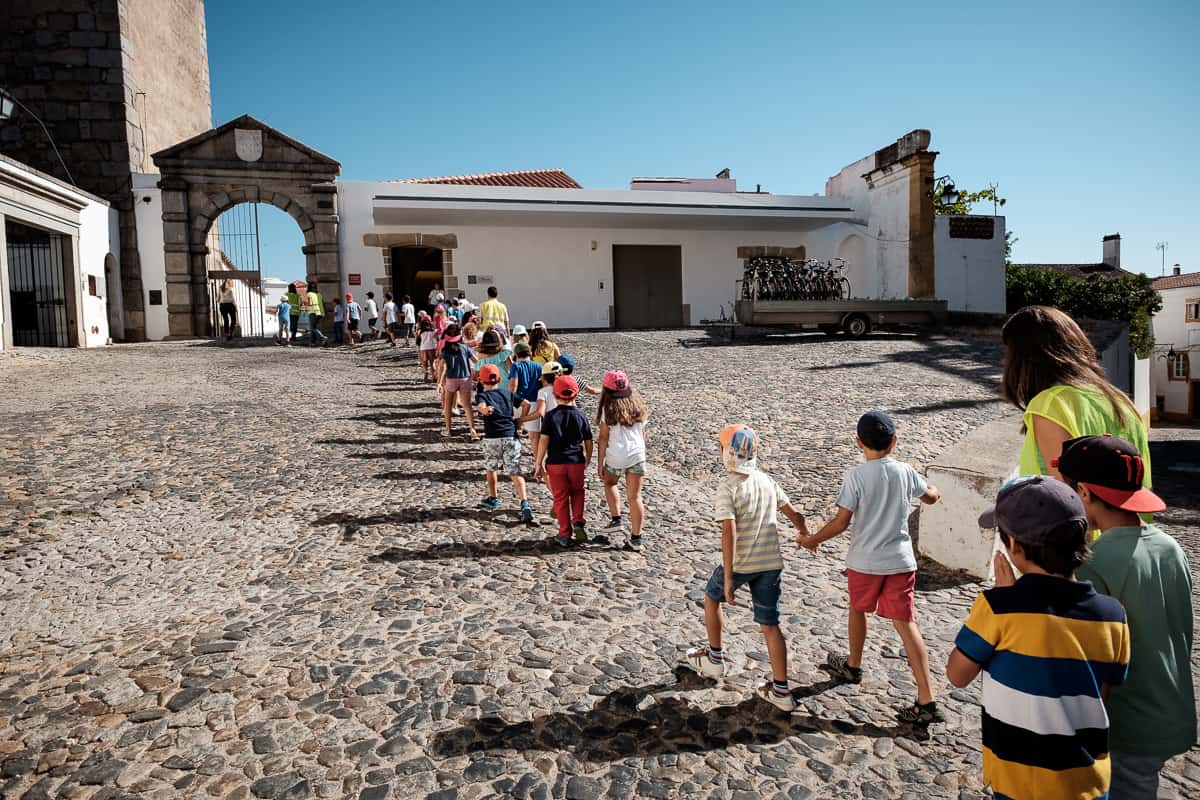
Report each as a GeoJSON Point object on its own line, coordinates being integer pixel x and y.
{"type": "Point", "coordinates": [1153, 715]}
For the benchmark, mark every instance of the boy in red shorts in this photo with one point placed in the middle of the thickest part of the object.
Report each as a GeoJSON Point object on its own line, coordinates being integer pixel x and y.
{"type": "Point", "coordinates": [881, 567]}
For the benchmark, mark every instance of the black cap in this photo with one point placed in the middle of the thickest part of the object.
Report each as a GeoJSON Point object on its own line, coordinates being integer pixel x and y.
{"type": "Point", "coordinates": [1031, 509]}
{"type": "Point", "coordinates": [876, 430]}
{"type": "Point", "coordinates": [1112, 468]}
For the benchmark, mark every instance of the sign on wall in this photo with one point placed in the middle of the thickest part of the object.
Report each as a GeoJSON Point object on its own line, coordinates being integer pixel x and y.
{"type": "Point", "coordinates": [355, 278]}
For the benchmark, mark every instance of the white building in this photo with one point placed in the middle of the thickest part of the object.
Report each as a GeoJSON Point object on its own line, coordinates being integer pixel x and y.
{"type": "Point", "coordinates": [1177, 338]}
{"type": "Point", "coordinates": [58, 247]}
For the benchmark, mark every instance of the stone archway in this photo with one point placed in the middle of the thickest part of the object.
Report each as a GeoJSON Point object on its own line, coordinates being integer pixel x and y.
{"type": "Point", "coordinates": [243, 161]}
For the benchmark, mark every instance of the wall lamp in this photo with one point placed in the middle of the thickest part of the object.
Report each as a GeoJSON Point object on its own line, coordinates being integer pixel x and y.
{"type": "Point", "coordinates": [945, 192]}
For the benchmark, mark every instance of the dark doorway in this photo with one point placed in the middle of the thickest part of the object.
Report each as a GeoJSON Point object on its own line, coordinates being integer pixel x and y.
{"type": "Point", "coordinates": [415, 270]}
{"type": "Point", "coordinates": [648, 286]}
{"type": "Point", "coordinates": [37, 287]}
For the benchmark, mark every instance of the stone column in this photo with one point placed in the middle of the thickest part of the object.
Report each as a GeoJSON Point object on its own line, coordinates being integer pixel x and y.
{"type": "Point", "coordinates": [921, 281]}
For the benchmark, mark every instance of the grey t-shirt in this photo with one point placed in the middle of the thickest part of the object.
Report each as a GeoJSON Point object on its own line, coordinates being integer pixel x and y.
{"type": "Point", "coordinates": [880, 493]}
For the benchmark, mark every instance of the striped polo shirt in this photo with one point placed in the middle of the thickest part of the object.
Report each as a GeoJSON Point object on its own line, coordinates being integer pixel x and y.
{"type": "Point", "coordinates": [1046, 645]}
{"type": "Point", "coordinates": [752, 501]}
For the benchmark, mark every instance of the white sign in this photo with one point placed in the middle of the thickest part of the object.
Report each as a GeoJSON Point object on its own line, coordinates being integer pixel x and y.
{"type": "Point", "coordinates": [248, 144]}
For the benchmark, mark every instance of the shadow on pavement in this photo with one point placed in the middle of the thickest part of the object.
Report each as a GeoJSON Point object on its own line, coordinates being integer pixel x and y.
{"type": "Point", "coordinates": [617, 728]}
{"type": "Point", "coordinates": [545, 546]}
{"type": "Point", "coordinates": [456, 475]}
{"type": "Point", "coordinates": [945, 405]}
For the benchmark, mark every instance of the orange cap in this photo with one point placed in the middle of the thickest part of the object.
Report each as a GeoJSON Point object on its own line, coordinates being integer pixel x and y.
{"type": "Point", "coordinates": [489, 373]}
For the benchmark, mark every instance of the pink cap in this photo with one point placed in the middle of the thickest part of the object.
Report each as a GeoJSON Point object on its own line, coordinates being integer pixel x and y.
{"type": "Point", "coordinates": [617, 383]}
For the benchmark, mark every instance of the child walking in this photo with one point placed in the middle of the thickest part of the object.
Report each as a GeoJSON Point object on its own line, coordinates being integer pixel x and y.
{"type": "Point", "coordinates": [1152, 716]}
{"type": "Point", "coordinates": [1049, 647]}
{"type": "Point", "coordinates": [622, 418]}
{"type": "Point", "coordinates": [408, 319]}
{"type": "Point", "coordinates": [525, 377]}
{"type": "Point", "coordinates": [501, 450]}
{"type": "Point", "coordinates": [427, 344]}
{"type": "Point", "coordinates": [881, 567]}
{"type": "Point", "coordinates": [455, 376]}
{"type": "Point", "coordinates": [353, 315]}
{"type": "Point", "coordinates": [339, 321]}
{"type": "Point", "coordinates": [747, 505]}
{"type": "Point", "coordinates": [563, 453]}
{"type": "Point", "coordinates": [284, 313]}
{"type": "Point", "coordinates": [545, 401]}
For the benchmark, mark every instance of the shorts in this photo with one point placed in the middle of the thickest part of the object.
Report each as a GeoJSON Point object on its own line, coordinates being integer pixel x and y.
{"type": "Point", "coordinates": [456, 385]}
{"type": "Point", "coordinates": [352, 325]}
{"type": "Point", "coordinates": [534, 425]}
{"type": "Point", "coordinates": [371, 322]}
{"type": "Point", "coordinates": [502, 455]}
{"type": "Point", "coordinates": [637, 469]}
{"type": "Point", "coordinates": [406, 329]}
{"type": "Point", "coordinates": [764, 591]}
{"type": "Point", "coordinates": [889, 596]}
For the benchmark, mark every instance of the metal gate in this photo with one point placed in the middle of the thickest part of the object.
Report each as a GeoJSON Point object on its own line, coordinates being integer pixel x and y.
{"type": "Point", "coordinates": [37, 287]}
{"type": "Point", "coordinates": [234, 254]}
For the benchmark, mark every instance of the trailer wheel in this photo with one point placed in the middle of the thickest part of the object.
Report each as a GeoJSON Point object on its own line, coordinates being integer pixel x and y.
{"type": "Point", "coordinates": [857, 326]}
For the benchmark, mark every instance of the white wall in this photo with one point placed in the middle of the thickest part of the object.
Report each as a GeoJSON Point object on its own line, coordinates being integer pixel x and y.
{"type": "Point", "coordinates": [116, 300]}
{"type": "Point", "coordinates": [150, 251]}
{"type": "Point", "coordinates": [552, 273]}
{"type": "Point", "coordinates": [94, 244]}
{"type": "Point", "coordinates": [969, 273]}
{"type": "Point", "coordinates": [883, 205]}
{"type": "Point", "coordinates": [1172, 330]}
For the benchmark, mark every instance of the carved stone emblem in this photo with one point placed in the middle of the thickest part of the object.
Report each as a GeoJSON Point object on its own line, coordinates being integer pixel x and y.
{"type": "Point", "coordinates": [248, 144]}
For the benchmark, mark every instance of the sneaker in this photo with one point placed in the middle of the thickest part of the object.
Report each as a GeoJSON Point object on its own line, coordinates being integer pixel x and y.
{"type": "Point", "coordinates": [563, 541]}
{"type": "Point", "coordinates": [615, 525]}
{"type": "Point", "coordinates": [697, 658]}
{"type": "Point", "coordinates": [918, 714]}
{"type": "Point", "coordinates": [580, 532]}
{"type": "Point", "coordinates": [635, 544]}
{"type": "Point", "coordinates": [490, 503]}
{"type": "Point", "coordinates": [527, 514]}
{"type": "Point", "coordinates": [456, 411]}
{"type": "Point", "coordinates": [766, 691]}
{"type": "Point", "coordinates": [840, 667]}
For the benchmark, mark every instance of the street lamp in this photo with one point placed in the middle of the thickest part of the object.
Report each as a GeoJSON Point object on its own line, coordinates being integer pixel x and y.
{"type": "Point", "coordinates": [945, 192]}
{"type": "Point", "coordinates": [7, 102]}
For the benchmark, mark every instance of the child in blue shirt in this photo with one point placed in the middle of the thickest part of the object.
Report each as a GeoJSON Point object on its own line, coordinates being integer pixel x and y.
{"type": "Point", "coordinates": [284, 313]}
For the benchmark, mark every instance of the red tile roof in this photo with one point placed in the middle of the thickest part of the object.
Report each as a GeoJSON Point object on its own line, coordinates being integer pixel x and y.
{"type": "Point", "coordinates": [537, 178]}
{"type": "Point", "coordinates": [1178, 281]}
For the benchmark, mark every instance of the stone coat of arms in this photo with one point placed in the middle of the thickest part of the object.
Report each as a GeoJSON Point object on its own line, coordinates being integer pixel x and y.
{"type": "Point", "coordinates": [248, 144]}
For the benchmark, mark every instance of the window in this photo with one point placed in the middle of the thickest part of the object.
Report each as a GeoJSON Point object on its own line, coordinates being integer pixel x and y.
{"type": "Point", "coordinates": [1192, 309]}
{"type": "Point", "coordinates": [1177, 367]}
{"type": "Point", "coordinates": [92, 290]}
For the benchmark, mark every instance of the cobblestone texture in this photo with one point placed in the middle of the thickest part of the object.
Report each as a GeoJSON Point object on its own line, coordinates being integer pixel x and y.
{"type": "Point", "coordinates": [256, 572]}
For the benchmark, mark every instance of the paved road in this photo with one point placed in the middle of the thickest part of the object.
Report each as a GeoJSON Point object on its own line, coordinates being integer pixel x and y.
{"type": "Point", "coordinates": [257, 572]}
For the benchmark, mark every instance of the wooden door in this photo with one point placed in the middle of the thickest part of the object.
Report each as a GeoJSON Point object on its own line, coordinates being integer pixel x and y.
{"type": "Point", "coordinates": [648, 286]}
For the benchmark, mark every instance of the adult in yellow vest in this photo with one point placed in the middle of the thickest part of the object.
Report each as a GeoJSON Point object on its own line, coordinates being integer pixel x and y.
{"type": "Point", "coordinates": [493, 312]}
{"type": "Point", "coordinates": [316, 310]}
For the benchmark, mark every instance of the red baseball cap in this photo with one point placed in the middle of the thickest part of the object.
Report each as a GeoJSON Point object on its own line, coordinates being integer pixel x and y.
{"type": "Point", "coordinates": [489, 373]}
{"type": "Point", "coordinates": [565, 387]}
{"type": "Point", "coordinates": [1112, 468]}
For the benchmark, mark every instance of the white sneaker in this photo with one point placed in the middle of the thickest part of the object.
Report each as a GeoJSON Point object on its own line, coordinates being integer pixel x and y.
{"type": "Point", "coordinates": [615, 525]}
{"type": "Point", "coordinates": [766, 691]}
{"type": "Point", "coordinates": [697, 658]}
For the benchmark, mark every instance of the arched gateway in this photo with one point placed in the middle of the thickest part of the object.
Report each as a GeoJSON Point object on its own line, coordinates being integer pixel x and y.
{"type": "Point", "coordinates": [243, 161]}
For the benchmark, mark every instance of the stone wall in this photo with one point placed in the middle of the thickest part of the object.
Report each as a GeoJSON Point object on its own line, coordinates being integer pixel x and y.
{"type": "Point", "coordinates": [112, 80]}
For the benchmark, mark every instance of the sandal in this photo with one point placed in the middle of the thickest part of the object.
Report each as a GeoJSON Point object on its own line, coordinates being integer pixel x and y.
{"type": "Point", "coordinates": [918, 714]}
{"type": "Point", "coordinates": [473, 436]}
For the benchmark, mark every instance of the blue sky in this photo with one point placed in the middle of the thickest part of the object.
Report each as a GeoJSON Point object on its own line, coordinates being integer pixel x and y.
{"type": "Point", "coordinates": [1087, 115]}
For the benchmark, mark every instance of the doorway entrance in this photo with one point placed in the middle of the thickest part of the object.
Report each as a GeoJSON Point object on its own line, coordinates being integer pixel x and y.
{"type": "Point", "coordinates": [415, 270]}
{"type": "Point", "coordinates": [648, 286]}
{"type": "Point", "coordinates": [37, 287]}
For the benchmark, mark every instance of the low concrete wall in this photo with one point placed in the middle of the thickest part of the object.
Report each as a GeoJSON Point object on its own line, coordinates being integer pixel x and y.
{"type": "Point", "coordinates": [969, 475]}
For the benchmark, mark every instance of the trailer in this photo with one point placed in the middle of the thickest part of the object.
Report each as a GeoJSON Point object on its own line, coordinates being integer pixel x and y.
{"type": "Point", "coordinates": [855, 317]}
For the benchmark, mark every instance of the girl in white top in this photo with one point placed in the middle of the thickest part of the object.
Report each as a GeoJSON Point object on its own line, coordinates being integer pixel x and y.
{"type": "Point", "coordinates": [427, 343]}
{"type": "Point", "coordinates": [545, 402]}
{"type": "Point", "coordinates": [621, 419]}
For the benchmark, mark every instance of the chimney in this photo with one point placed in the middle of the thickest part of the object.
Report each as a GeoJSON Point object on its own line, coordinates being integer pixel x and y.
{"type": "Point", "coordinates": [1175, 270]}
{"type": "Point", "coordinates": [1112, 250]}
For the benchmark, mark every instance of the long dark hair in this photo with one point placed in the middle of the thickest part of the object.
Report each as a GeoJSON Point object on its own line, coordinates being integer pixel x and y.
{"type": "Point", "coordinates": [627, 411]}
{"type": "Point", "coordinates": [451, 348]}
{"type": "Point", "coordinates": [1044, 348]}
{"type": "Point", "coordinates": [537, 336]}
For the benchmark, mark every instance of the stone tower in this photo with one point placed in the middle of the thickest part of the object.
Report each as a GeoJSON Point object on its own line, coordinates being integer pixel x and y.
{"type": "Point", "coordinates": [114, 81]}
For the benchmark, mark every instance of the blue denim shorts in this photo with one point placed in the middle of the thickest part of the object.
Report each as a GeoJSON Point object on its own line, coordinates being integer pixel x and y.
{"type": "Point", "coordinates": [764, 591]}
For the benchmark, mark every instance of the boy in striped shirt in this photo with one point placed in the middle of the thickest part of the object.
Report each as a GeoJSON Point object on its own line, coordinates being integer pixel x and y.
{"type": "Point", "coordinates": [746, 505]}
{"type": "Point", "coordinates": [1049, 648]}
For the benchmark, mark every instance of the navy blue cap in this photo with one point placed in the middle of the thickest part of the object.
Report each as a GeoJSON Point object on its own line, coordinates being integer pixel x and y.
{"type": "Point", "coordinates": [568, 362]}
{"type": "Point", "coordinates": [1032, 509]}
{"type": "Point", "coordinates": [876, 429]}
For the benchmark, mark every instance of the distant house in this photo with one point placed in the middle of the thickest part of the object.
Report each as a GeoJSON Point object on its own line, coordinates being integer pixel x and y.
{"type": "Point", "coordinates": [1177, 336]}
{"type": "Point", "coordinates": [1109, 264]}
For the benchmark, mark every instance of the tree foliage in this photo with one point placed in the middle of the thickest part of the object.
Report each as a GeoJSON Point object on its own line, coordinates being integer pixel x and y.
{"type": "Point", "coordinates": [966, 199]}
{"type": "Point", "coordinates": [1114, 296]}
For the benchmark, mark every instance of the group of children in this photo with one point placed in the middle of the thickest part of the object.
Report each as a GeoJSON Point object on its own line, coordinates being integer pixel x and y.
{"type": "Point", "coordinates": [1086, 657]}
{"type": "Point", "coordinates": [294, 310]}
{"type": "Point", "coordinates": [525, 391]}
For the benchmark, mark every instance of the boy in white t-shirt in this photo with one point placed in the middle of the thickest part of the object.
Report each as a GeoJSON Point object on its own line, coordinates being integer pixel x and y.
{"type": "Point", "coordinates": [881, 567]}
{"type": "Point", "coordinates": [408, 319]}
{"type": "Point", "coordinates": [372, 311]}
{"type": "Point", "coordinates": [391, 318]}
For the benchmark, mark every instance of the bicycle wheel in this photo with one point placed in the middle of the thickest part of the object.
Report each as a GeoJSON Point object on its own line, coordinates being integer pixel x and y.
{"type": "Point", "coordinates": [844, 288]}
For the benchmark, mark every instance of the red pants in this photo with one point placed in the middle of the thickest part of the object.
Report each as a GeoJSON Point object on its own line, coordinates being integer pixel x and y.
{"type": "Point", "coordinates": [566, 483]}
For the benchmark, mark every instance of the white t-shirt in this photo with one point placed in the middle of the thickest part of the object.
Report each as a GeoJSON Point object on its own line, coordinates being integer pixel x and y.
{"type": "Point", "coordinates": [427, 341]}
{"type": "Point", "coordinates": [389, 313]}
{"type": "Point", "coordinates": [880, 494]}
{"type": "Point", "coordinates": [410, 314]}
{"type": "Point", "coordinates": [436, 297]}
{"type": "Point", "coordinates": [546, 395]}
{"type": "Point", "coordinates": [372, 309]}
{"type": "Point", "coordinates": [626, 446]}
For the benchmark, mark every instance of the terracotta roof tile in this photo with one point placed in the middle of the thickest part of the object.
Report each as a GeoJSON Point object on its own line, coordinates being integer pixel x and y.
{"type": "Point", "coordinates": [1178, 281]}
{"type": "Point", "coordinates": [536, 178]}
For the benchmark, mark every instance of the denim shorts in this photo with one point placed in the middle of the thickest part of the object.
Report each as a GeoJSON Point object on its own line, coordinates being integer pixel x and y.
{"type": "Point", "coordinates": [764, 591]}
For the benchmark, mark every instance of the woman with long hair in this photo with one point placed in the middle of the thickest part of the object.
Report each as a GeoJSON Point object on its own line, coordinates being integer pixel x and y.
{"type": "Point", "coordinates": [227, 305]}
{"type": "Point", "coordinates": [543, 347]}
{"type": "Point", "coordinates": [1052, 373]}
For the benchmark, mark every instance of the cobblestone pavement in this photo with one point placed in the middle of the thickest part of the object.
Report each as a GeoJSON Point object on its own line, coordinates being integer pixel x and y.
{"type": "Point", "coordinates": [258, 572]}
